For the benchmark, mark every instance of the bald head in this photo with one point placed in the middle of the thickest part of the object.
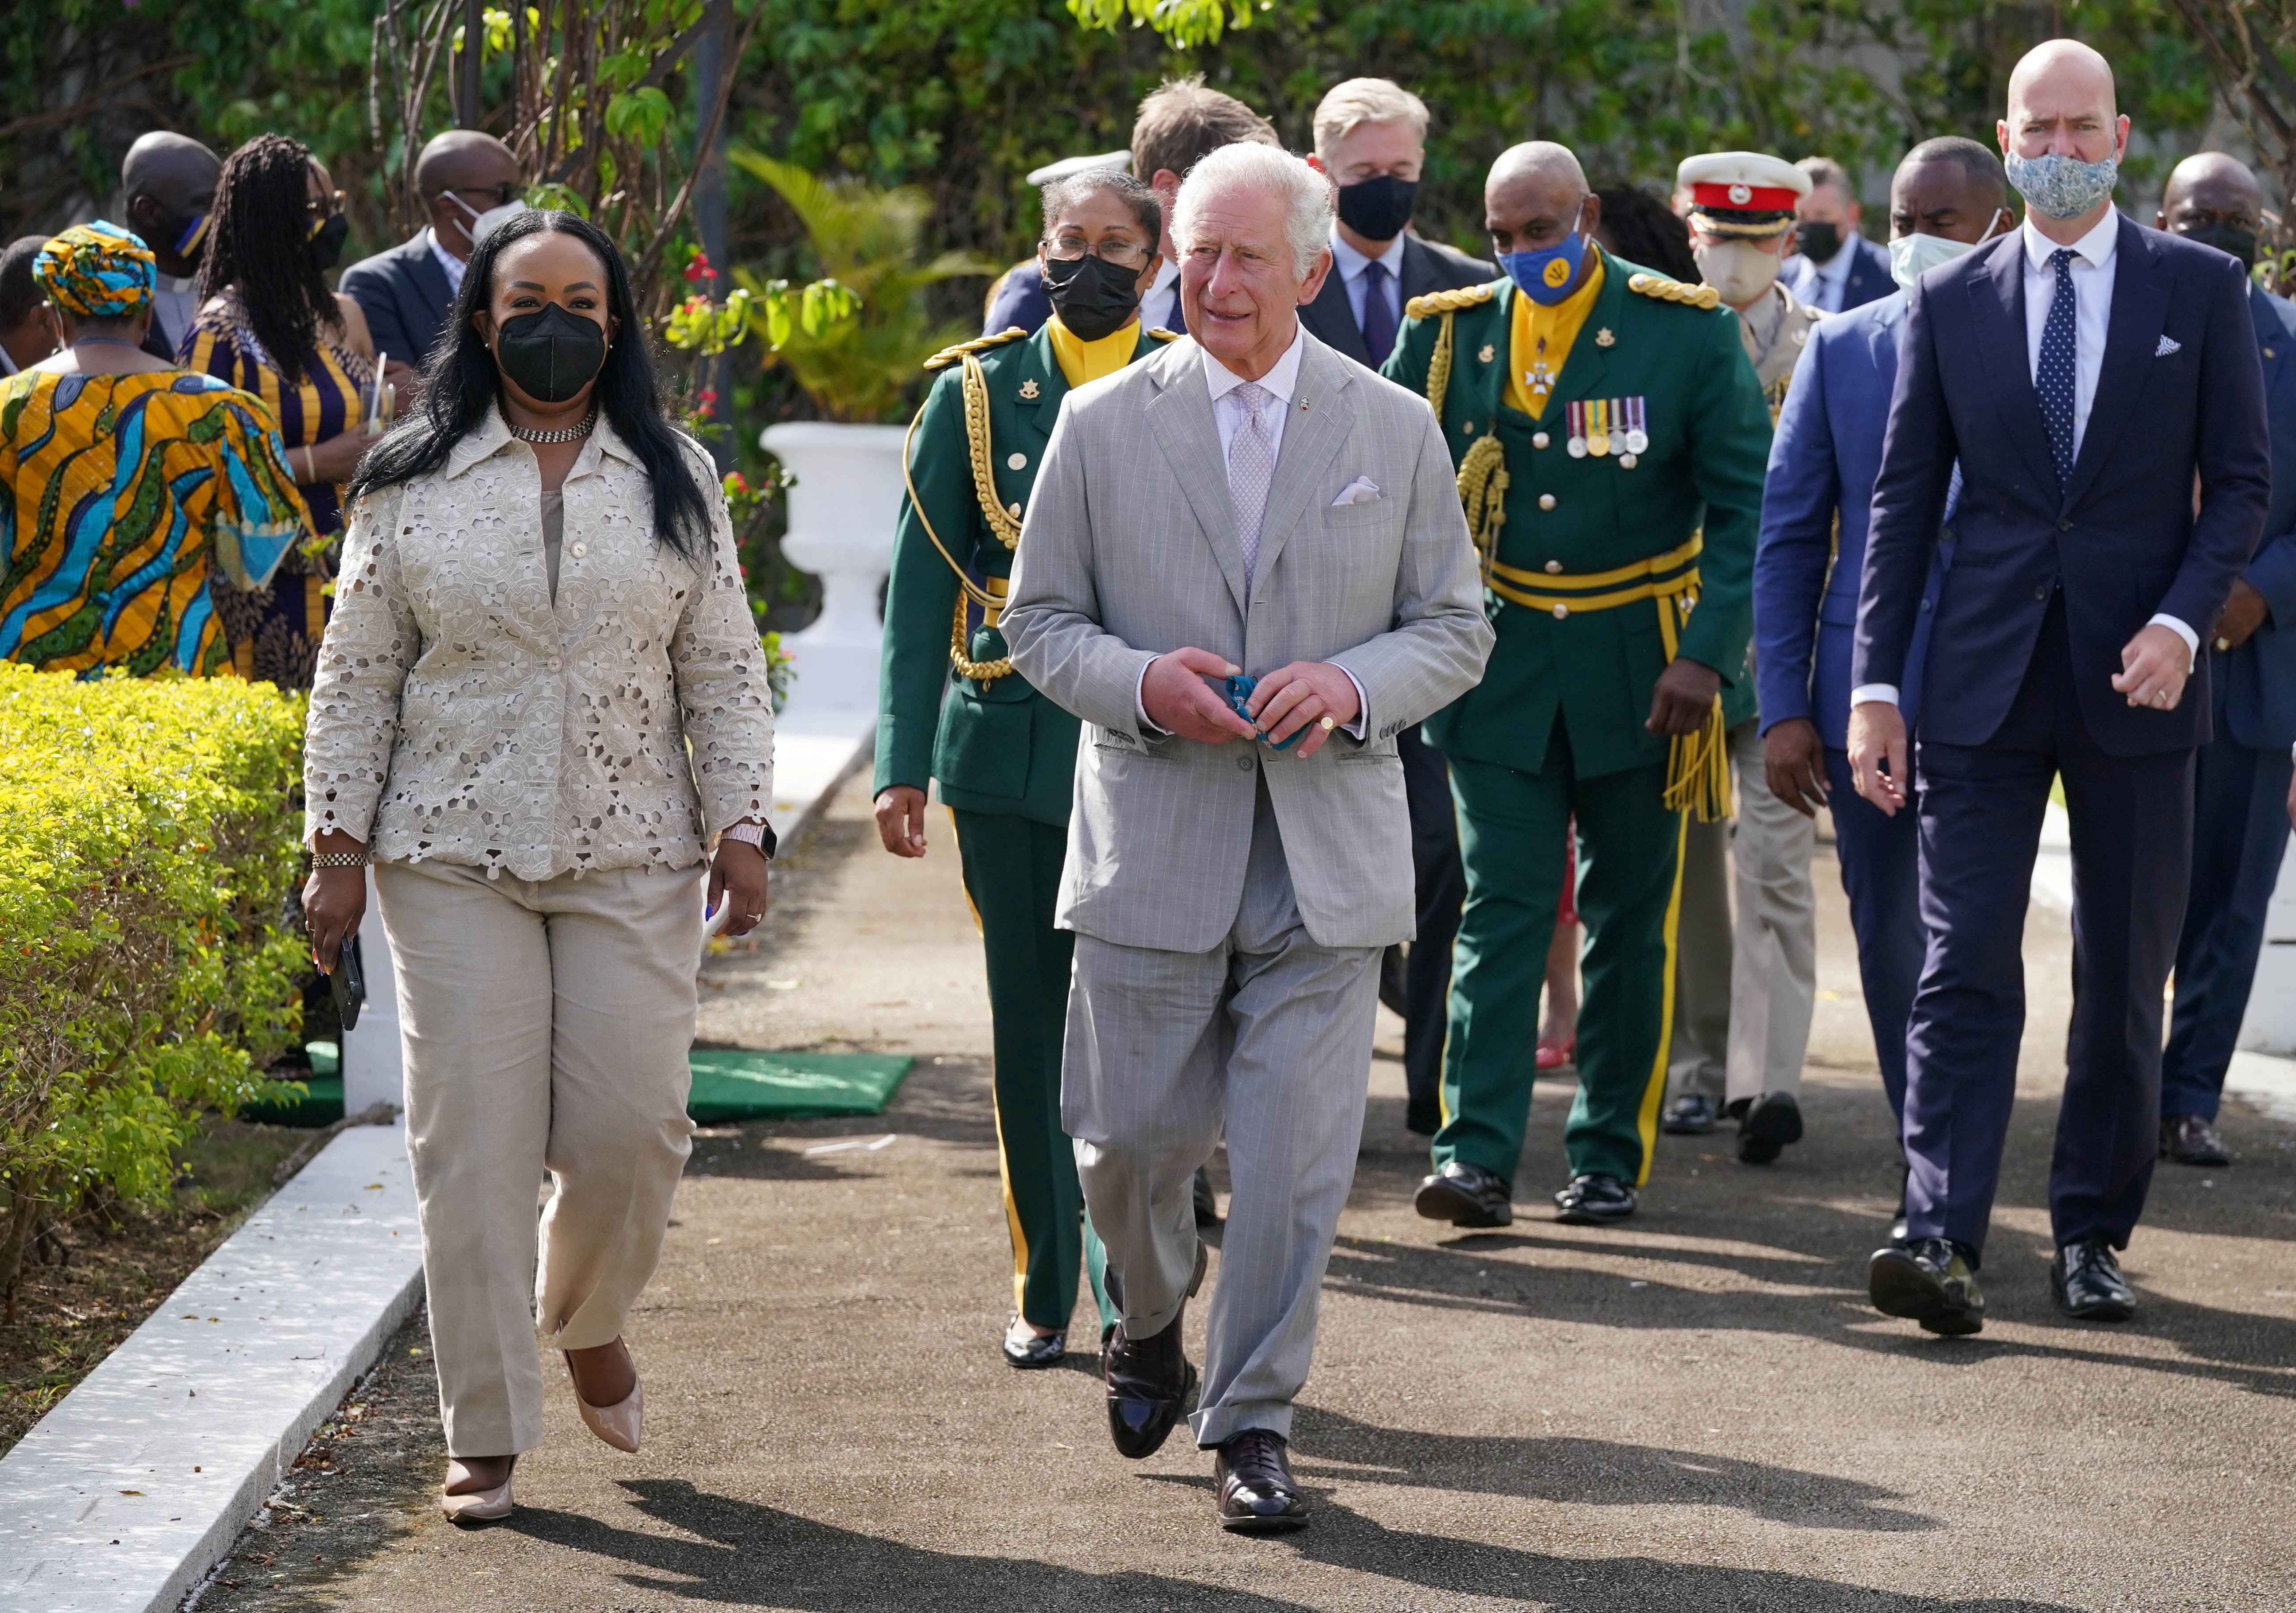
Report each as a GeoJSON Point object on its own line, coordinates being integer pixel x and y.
{"type": "Point", "coordinates": [2214, 200]}
{"type": "Point", "coordinates": [1541, 161]}
{"type": "Point", "coordinates": [1536, 198]}
{"type": "Point", "coordinates": [168, 184]}
{"type": "Point", "coordinates": [460, 174]}
{"type": "Point", "coordinates": [2062, 101]}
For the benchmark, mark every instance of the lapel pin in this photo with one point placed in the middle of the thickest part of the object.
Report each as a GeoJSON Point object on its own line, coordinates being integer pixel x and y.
{"type": "Point", "coordinates": [1604, 339]}
{"type": "Point", "coordinates": [1489, 353]}
{"type": "Point", "coordinates": [1029, 389]}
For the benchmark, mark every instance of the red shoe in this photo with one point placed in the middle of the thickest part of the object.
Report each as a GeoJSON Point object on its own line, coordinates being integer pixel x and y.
{"type": "Point", "coordinates": [1554, 1055]}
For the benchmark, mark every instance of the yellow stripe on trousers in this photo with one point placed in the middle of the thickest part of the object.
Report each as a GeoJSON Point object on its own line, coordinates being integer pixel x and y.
{"type": "Point", "coordinates": [1646, 1121]}
{"type": "Point", "coordinates": [997, 1118]}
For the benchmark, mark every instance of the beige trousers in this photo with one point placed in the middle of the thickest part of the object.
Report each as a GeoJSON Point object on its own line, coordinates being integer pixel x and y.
{"type": "Point", "coordinates": [1744, 992]}
{"type": "Point", "coordinates": [547, 1025]}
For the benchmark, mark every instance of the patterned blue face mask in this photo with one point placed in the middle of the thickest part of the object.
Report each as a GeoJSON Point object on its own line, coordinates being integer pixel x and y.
{"type": "Point", "coordinates": [1546, 275]}
{"type": "Point", "coordinates": [2062, 187]}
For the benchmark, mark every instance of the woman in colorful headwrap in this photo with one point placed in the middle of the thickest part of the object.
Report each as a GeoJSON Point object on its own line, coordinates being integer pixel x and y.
{"type": "Point", "coordinates": [269, 325]}
{"type": "Point", "coordinates": [129, 482]}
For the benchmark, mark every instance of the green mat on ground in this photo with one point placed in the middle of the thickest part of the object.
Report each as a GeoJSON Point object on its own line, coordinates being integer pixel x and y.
{"type": "Point", "coordinates": [729, 1084]}
{"type": "Point", "coordinates": [737, 1084]}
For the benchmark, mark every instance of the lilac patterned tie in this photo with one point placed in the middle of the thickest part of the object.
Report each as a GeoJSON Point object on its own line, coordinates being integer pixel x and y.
{"type": "Point", "coordinates": [1251, 467]}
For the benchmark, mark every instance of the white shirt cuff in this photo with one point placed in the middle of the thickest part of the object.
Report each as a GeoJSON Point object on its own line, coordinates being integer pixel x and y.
{"type": "Point", "coordinates": [2183, 631]}
{"type": "Point", "coordinates": [1886, 693]}
{"type": "Point", "coordinates": [1140, 706]}
{"type": "Point", "coordinates": [1357, 729]}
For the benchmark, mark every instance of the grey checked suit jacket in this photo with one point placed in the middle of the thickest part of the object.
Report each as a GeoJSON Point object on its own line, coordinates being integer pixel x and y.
{"type": "Point", "coordinates": [1129, 550]}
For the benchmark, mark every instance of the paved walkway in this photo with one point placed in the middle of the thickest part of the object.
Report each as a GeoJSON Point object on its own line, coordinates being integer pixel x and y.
{"type": "Point", "coordinates": [1697, 1413]}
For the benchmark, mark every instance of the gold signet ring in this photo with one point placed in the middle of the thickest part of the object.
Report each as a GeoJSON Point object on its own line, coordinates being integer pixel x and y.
{"type": "Point", "coordinates": [1328, 725]}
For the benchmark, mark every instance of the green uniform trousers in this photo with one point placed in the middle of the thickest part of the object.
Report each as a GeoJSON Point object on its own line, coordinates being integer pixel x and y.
{"type": "Point", "coordinates": [1012, 879]}
{"type": "Point", "coordinates": [1510, 825]}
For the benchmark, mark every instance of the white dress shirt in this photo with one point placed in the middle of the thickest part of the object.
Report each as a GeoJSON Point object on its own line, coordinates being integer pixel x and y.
{"type": "Point", "coordinates": [1833, 276]}
{"type": "Point", "coordinates": [1352, 265]}
{"type": "Point", "coordinates": [1161, 308]}
{"type": "Point", "coordinates": [2093, 267]}
{"type": "Point", "coordinates": [175, 303]}
{"type": "Point", "coordinates": [1228, 415]}
{"type": "Point", "coordinates": [448, 261]}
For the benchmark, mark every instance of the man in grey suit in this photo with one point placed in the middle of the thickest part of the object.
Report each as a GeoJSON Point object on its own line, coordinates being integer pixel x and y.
{"type": "Point", "coordinates": [1246, 500]}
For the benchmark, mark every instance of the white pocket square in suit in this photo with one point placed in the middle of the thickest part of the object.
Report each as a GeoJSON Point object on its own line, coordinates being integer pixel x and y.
{"type": "Point", "coordinates": [1362, 490]}
{"type": "Point", "coordinates": [2166, 347]}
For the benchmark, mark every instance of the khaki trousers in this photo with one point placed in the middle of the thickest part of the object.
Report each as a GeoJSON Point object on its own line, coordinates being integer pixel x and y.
{"type": "Point", "coordinates": [546, 1025]}
{"type": "Point", "coordinates": [1744, 994]}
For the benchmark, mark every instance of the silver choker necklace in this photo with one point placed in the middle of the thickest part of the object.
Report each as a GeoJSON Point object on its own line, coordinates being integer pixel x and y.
{"type": "Point", "coordinates": [566, 434]}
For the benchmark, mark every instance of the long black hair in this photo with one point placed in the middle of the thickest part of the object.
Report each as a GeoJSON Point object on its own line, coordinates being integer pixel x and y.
{"type": "Point", "coordinates": [258, 241]}
{"type": "Point", "coordinates": [460, 384]}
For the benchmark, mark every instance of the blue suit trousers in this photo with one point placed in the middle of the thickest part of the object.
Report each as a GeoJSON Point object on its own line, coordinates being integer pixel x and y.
{"type": "Point", "coordinates": [2240, 829]}
{"type": "Point", "coordinates": [1980, 816]}
{"type": "Point", "coordinates": [1880, 874]}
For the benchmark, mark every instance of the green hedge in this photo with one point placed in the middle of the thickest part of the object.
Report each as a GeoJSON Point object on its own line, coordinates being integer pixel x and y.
{"type": "Point", "coordinates": [148, 971]}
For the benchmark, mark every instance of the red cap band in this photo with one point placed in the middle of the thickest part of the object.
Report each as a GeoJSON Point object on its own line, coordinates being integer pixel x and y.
{"type": "Point", "coordinates": [1750, 198]}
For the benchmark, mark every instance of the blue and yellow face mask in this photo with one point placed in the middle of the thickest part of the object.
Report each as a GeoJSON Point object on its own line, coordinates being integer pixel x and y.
{"type": "Point", "coordinates": [1547, 274]}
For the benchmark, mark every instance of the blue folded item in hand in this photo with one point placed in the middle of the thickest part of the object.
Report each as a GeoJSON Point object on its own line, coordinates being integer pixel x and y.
{"type": "Point", "coordinates": [1239, 695]}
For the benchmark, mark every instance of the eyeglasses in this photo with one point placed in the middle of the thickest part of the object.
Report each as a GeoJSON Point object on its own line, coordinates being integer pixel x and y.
{"type": "Point", "coordinates": [325, 206]}
{"type": "Point", "coordinates": [1123, 254]}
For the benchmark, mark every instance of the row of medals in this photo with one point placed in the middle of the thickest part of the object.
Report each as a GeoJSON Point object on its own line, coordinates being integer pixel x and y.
{"type": "Point", "coordinates": [1599, 426]}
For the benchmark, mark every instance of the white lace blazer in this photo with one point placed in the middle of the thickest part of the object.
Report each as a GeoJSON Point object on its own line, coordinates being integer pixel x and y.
{"type": "Point", "coordinates": [460, 714]}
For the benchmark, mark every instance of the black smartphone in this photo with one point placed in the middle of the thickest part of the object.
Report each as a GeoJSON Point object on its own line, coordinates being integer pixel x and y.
{"type": "Point", "coordinates": [349, 983]}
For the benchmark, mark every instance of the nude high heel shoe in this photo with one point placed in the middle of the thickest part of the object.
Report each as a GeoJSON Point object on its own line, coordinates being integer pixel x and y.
{"type": "Point", "coordinates": [477, 1506]}
{"type": "Point", "coordinates": [617, 1425]}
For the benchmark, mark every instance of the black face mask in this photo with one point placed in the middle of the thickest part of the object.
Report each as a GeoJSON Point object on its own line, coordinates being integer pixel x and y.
{"type": "Point", "coordinates": [186, 238]}
{"type": "Point", "coordinates": [1817, 240]}
{"type": "Point", "coordinates": [326, 242]}
{"type": "Point", "coordinates": [1378, 208]}
{"type": "Point", "coordinates": [2225, 236]}
{"type": "Point", "coordinates": [552, 355]}
{"type": "Point", "coordinates": [1093, 296]}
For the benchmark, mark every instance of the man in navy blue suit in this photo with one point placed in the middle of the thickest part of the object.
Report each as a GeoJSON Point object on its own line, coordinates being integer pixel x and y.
{"type": "Point", "coordinates": [2239, 830]}
{"type": "Point", "coordinates": [1947, 195]}
{"type": "Point", "coordinates": [1833, 267]}
{"type": "Point", "coordinates": [2062, 645]}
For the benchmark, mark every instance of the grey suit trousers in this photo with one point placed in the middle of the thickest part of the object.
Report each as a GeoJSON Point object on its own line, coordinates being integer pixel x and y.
{"type": "Point", "coordinates": [1268, 1034]}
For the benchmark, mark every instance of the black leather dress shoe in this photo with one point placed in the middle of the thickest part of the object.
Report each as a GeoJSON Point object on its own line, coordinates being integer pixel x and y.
{"type": "Point", "coordinates": [1256, 1494]}
{"type": "Point", "coordinates": [2189, 1140]}
{"type": "Point", "coordinates": [1206, 1202]}
{"type": "Point", "coordinates": [1045, 1349]}
{"type": "Point", "coordinates": [1692, 1115]}
{"type": "Point", "coordinates": [1771, 1122]}
{"type": "Point", "coordinates": [2087, 1280]}
{"type": "Point", "coordinates": [1929, 1281]}
{"type": "Point", "coordinates": [1149, 1379]}
{"type": "Point", "coordinates": [1594, 1201]}
{"type": "Point", "coordinates": [1465, 1195]}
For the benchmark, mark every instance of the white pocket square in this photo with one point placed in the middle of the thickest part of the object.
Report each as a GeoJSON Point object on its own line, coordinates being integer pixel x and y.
{"type": "Point", "coordinates": [1362, 490]}
{"type": "Point", "coordinates": [2167, 347]}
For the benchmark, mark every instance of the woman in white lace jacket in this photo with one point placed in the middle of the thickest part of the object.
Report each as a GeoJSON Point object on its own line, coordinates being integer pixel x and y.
{"type": "Point", "coordinates": [541, 701]}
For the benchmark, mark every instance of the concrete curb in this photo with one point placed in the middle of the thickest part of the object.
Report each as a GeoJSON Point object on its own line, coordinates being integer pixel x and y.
{"type": "Point", "coordinates": [125, 1495]}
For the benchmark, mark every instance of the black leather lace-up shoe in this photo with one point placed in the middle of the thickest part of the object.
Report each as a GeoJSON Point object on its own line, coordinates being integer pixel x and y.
{"type": "Point", "coordinates": [1594, 1201]}
{"type": "Point", "coordinates": [2086, 1278]}
{"type": "Point", "coordinates": [1771, 1121]}
{"type": "Point", "coordinates": [1257, 1493]}
{"type": "Point", "coordinates": [1928, 1280]}
{"type": "Point", "coordinates": [1465, 1195]}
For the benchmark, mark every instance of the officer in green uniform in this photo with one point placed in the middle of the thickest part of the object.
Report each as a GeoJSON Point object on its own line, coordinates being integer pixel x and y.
{"type": "Point", "coordinates": [950, 705]}
{"type": "Point", "coordinates": [1611, 439]}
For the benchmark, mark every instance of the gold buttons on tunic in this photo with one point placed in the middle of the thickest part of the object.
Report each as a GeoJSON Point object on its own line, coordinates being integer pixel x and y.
{"type": "Point", "coordinates": [1539, 439]}
{"type": "Point", "coordinates": [1014, 461]}
{"type": "Point", "coordinates": [1561, 612]}
{"type": "Point", "coordinates": [1546, 501]}
{"type": "Point", "coordinates": [1012, 509]}
{"type": "Point", "coordinates": [1554, 566]}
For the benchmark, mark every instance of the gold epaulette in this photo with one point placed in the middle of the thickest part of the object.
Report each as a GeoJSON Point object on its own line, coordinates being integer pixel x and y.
{"type": "Point", "coordinates": [1674, 290]}
{"type": "Point", "coordinates": [1449, 302]}
{"type": "Point", "coordinates": [1158, 333]}
{"type": "Point", "coordinates": [950, 356]}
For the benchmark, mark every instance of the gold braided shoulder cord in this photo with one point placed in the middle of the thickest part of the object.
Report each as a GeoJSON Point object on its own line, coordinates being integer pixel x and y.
{"type": "Point", "coordinates": [1483, 492]}
{"type": "Point", "coordinates": [1697, 764]}
{"type": "Point", "coordinates": [1439, 366]}
{"type": "Point", "coordinates": [967, 589]}
{"type": "Point", "coordinates": [976, 436]}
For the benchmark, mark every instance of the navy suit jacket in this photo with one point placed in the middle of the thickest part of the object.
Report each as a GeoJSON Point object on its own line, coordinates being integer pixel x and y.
{"type": "Point", "coordinates": [1823, 458]}
{"type": "Point", "coordinates": [1869, 281]}
{"type": "Point", "coordinates": [2121, 537]}
{"type": "Point", "coordinates": [1427, 266]}
{"type": "Point", "coordinates": [2259, 703]}
{"type": "Point", "coordinates": [405, 296]}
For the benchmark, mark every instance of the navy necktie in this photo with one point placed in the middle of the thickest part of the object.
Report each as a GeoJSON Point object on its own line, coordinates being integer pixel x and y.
{"type": "Point", "coordinates": [2055, 379]}
{"type": "Point", "coordinates": [1378, 315]}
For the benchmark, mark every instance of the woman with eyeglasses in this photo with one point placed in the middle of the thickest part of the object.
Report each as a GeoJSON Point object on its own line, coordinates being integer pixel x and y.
{"type": "Point", "coordinates": [269, 325]}
{"type": "Point", "coordinates": [952, 708]}
{"type": "Point", "coordinates": [542, 707]}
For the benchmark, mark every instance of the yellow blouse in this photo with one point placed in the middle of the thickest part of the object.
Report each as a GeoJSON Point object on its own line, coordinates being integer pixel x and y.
{"type": "Point", "coordinates": [1082, 361]}
{"type": "Point", "coordinates": [1543, 336]}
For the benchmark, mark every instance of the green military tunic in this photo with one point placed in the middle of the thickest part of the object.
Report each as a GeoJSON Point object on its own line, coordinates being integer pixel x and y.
{"type": "Point", "coordinates": [1594, 558]}
{"type": "Point", "coordinates": [950, 707]}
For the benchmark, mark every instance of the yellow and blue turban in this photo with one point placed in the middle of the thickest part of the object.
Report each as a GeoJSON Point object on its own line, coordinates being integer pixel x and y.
{"type": "Point", "coordinates": [97, 271]}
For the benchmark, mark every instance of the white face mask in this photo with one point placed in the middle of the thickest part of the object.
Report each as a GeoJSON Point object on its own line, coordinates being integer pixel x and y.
{"type": "Point", "coordinates": [1913, 255]}
{"type": "Point", "coordinates": [483, 222]}
{"type": "Point", "coordinates": [1739, 270]}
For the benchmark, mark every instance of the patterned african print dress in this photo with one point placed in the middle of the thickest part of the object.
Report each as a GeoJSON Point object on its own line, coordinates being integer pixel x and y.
{"type": "Point", "coordinates": [125, 493]}
{"type": "Point", "coordinates": [276, 631]}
